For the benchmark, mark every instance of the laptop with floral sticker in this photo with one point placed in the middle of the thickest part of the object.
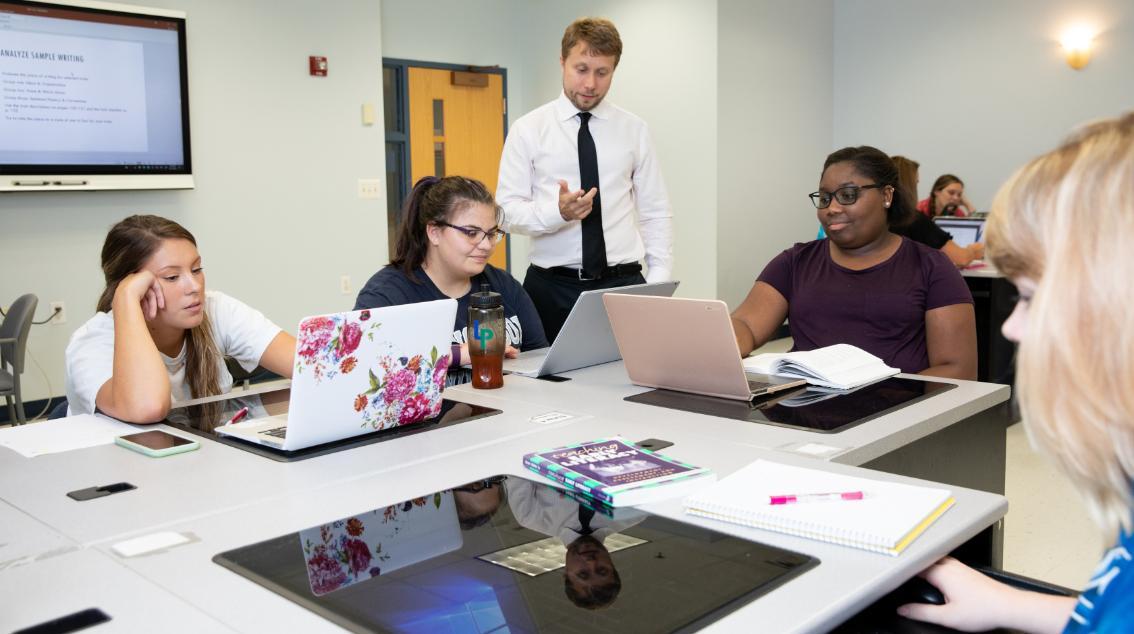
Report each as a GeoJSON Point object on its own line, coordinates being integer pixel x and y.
{"type": "Point", "coordinates": [378, 542]}
{"type": "Point", "coordinates": [359, 372]}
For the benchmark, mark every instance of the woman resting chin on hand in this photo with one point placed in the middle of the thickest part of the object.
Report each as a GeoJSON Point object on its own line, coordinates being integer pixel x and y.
{"type": "Point", "coordinates": [158, 337]}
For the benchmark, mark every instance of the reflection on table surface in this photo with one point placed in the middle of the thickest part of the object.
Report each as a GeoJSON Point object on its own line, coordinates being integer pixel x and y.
{"type": "Point", "coordinates": [811, 409]}
{"type": "Point", "coordinates": [504, 552]}
{"type": "Point", "coordinates": [202, 419]}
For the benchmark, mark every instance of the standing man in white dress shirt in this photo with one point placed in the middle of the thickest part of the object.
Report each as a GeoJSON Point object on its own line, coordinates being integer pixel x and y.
{"type": "Point", "coordinates": [581, 177]}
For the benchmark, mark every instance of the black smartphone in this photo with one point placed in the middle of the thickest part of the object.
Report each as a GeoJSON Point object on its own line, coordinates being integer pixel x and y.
{"type": "Point", "coordinates": [653, 444]}
{"type": "Point", "coordinates": [70, 623]}
{"type": "Point", "coordinates": [82, 495]}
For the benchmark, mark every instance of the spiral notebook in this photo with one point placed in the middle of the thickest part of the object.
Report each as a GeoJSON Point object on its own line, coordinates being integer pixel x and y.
{"type": "Point", "coordinates": [888, 518]}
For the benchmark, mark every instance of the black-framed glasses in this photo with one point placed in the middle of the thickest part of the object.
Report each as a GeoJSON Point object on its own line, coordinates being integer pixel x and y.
{"type": "Point", "coordinates": [476, 234]}
{"type": "Point", "coordinates": [847, 195]}
{"type": "Point", "coordinates": [480, 485]}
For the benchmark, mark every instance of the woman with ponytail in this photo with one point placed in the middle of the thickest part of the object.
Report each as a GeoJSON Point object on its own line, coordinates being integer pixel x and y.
{"type": "Point", "coordinates": [449, 229]}
{"type": "Point", "coordinates": [158, 338]}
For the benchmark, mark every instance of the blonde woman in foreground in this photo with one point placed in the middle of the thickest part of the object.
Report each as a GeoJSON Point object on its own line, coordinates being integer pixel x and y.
{"type": "Point", "coordinates": [1059, 228]}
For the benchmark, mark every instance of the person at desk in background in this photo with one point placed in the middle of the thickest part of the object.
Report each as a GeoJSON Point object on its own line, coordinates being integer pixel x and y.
{"type": "Point", "coordinates": [921, 229]}
{"type": "Point", "coordinates": [590, 578]}
{"type": "Point", "coordinates": [1058, 229]}
{"type": "Point", "coordinates": [863, 284]}
{"type": "Point", "coordinates": [947, 198]}
{"type": "Point", "coordinates": [158, 337]}
{"type": "Point", "coordinates": [581, 177]}
{"type": "Point", "coordinates": [449, 229]}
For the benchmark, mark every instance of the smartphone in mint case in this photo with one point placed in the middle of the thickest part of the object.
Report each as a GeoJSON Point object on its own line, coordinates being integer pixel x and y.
{"type": "Point", "coordinates": [157, 443]}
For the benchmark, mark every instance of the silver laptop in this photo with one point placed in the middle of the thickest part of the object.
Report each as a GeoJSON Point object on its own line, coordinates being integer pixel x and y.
{"type": "Point", "coordinates": [585, 338]}
{"type": "Point", "coordinates": [686, 345]}
{"type": "Point", "coordinates": [360, 372]}
{"type": "Point", "coordinates": [965, 231]}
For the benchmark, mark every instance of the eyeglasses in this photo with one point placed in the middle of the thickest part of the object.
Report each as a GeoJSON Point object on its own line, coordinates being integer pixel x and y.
{"type": "Point", "coordinates": [480, 485]}
{"type": "Point", "coordinates": [845, 195]}
{"type": "Point", "coordinates": [476, 234]}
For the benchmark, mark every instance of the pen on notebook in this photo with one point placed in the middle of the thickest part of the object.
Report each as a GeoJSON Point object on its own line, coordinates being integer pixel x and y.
{"type": "Point", "coordinates": [238, 416]}
{"type": "Point", "coordinates": [815, 497]}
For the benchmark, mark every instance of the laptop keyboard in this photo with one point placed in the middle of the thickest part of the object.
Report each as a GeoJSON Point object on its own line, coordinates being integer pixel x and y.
{"type": "Point", "coordinates": [276, 432]}
{"type": "Point", "coordinates": [528, 362]}
{"type": "Point", "coordinates": [757, 386]}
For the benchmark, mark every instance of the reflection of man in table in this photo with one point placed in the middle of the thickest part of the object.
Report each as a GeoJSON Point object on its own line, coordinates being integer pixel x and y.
{"type": "Point", "coordinates": [590, 579]}
{"type": "Point", "coordinates": [478, 501]}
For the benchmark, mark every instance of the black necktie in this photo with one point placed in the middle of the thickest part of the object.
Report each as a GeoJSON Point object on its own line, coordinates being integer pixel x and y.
{"type": "Point", "coordinates": [585, 515]}
{"type": "Point", "coordinates": [594, 245]}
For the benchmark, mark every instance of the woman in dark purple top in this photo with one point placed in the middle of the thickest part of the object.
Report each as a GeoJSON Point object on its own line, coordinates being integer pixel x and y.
{"type": "Point", "coordinates": [864, 285]}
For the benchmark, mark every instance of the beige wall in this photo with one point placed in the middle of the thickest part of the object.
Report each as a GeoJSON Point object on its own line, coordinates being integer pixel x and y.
{"type": "Point", "coordinates": [774, 130]}
{"type": "Point", "coordinates": [977, 89]}
{"type": "Point", "coordinates": [276, 154]}
{"type": "Point", "coordinates": [744, 100]}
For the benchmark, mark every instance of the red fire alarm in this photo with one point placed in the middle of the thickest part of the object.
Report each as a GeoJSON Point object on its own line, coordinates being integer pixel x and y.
{"type": "Point", "coordinates": [318, 66]}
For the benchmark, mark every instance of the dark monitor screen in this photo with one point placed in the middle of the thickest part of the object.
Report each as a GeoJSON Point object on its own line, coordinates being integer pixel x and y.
{"type": "Point", "coordinates": [203, 419]}
{"type": "Point", "coordinates": [506, 554]}
{"type": "Point", "coordinates": [810, 409]}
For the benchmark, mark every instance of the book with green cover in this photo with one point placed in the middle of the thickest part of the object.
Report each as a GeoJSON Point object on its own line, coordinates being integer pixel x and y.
{"type": "Point", "coordinates": [615, 472]}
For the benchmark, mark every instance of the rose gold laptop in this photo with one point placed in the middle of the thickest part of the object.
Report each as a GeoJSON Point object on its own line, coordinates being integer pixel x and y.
{"type": "Point", "coordinates": [686, 345]}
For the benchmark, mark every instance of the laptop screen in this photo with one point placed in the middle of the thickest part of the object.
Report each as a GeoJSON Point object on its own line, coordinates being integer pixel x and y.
{"type": "Point", "coordinates": [964, 232]}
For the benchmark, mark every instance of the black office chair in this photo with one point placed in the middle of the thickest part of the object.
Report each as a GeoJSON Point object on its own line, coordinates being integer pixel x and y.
{"type": "Point", "coordinates": [59, 411]}
{"type": "Point", "coordinates": [13, 345]}
{"type": "Point", "coordinates": [246, 379]}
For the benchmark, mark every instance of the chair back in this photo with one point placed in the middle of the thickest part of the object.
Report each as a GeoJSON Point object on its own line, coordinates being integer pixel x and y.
{"type": "Point", "coordinates": [16, 325]}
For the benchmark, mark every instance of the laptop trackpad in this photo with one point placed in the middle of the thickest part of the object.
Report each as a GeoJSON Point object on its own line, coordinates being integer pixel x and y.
{"type": "Point", "coordinates": [254, 427]}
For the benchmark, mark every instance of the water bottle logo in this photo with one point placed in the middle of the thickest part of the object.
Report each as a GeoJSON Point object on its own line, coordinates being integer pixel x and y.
{"type": "Point", "coordinates": [483, 335]}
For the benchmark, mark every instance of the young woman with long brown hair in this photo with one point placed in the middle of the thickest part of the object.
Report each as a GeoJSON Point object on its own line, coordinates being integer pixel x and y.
{"type": "Point", "coordinates": [159, 337]}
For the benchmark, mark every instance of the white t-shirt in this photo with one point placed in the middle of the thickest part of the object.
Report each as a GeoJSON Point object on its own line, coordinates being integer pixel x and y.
{"type": "Point", "coordinates": [548, 511]}
{"type": "Point", "coordinates": [240, 332]}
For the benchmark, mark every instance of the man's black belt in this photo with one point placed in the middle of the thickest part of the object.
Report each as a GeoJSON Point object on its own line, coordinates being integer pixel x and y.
{"type": "Point", "coordinates": [618, 270]}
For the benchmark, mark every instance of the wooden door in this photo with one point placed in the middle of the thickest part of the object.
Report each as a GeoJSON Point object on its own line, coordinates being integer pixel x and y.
{"type": "Point", "coordinates": [457, 130]}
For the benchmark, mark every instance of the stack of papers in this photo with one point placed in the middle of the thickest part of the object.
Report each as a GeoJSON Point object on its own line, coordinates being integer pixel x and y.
{"type": "Point", "coordinates": [63, 434]}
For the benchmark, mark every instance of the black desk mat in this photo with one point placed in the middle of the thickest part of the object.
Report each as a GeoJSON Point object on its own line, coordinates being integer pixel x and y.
{"type": "Point", "coordinates": [805, 409]}
{"type": "Point", "coordinates": [474, 559]}
{"type": "Point", "coordinates": [452, 413]}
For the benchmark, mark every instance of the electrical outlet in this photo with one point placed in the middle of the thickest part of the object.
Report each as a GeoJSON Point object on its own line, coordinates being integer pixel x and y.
{"type": "Point", "coordinates": [344, 284]}
{"type": "Point", "coordinates": [60, 313]}
{"type": "Point", "coordinates": [369, 188]}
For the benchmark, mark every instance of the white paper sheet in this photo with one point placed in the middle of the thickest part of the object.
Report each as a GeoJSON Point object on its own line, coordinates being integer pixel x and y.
{"type": "Point", "coordinates": [63, 434]}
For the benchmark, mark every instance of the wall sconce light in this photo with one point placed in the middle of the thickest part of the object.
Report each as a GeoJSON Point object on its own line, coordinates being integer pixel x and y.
{"type": "Point", "coordinates": [1077, 43]}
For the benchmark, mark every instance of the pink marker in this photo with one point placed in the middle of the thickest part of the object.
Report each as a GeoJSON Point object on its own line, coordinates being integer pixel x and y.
{"type": "Point", "coordinates": [815, 497]}
{"type": "Point", "coordinates": [236, 418]}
